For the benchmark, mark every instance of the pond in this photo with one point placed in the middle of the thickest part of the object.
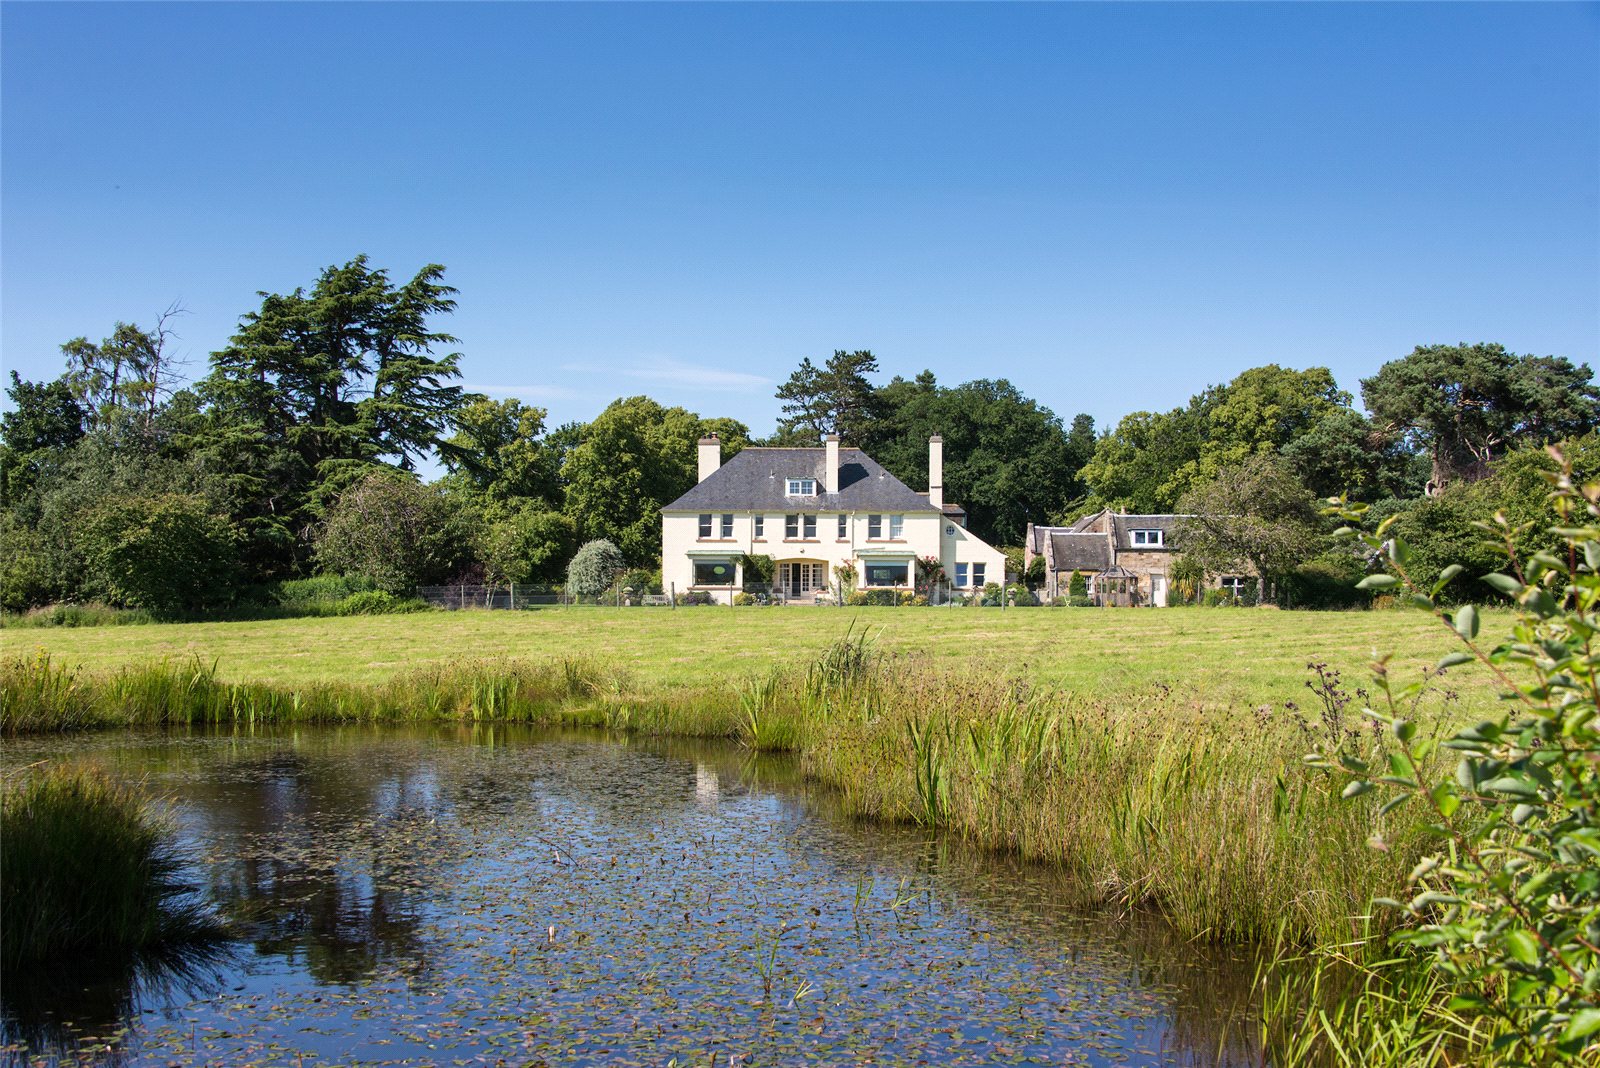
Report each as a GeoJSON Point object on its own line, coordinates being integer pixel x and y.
{"type": "Point", "coordinates": [492, 895]}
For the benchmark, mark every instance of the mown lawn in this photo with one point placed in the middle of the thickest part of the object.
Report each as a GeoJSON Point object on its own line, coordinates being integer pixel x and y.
{"type": "Point", "coordinates": [1221, 656]}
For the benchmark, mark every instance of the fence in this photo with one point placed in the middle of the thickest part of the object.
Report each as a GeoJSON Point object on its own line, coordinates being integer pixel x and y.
{"type": "Point", "coordinates": [529, 595]}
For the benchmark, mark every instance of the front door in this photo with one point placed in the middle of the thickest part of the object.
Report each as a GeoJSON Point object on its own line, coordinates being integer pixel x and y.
{"type": "Point", "coordinates": [1158, 590]}
{"type": "Point", "coordinates": [797, 579]}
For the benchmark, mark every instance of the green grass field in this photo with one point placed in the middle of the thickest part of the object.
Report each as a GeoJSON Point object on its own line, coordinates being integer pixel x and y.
{"type": "Point", "coordinates": [1221, 656]}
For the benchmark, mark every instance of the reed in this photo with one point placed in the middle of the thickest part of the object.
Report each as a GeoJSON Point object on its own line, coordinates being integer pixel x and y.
{"type": "Point", "coordinates": [88, 867]}
{"type": "Point", "coordinates": [1150, 798]}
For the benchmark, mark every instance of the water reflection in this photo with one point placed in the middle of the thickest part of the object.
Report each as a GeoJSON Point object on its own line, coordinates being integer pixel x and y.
{"type": "Point", "coordinates": [441, 893]}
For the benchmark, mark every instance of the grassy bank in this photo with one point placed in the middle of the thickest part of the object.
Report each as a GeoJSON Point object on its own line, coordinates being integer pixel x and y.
{"type": "Point", "coordinates": [1217, 657]}
{"type": "Point", "coordinates": [1148, 797]}
{"type": "Point", "coordinates": [88, 869]}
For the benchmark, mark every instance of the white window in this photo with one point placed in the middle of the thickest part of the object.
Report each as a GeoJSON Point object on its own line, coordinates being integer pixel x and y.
{"type": "Point", "coordinates": [727, 524]}
{"type": "Point", "coordinates": [897, 526]}
{"type": "Point", "coordinates": [844, 527]}
{"type": "Point", "coordinates": [799, 526]}
{"type": "Point", "coordinates": [802, 487]}
{"type": "Point", "coordinates": [713, 572]}
{"type": "Point", "coordinates": [898, 574]}
{"type": "Point", "coordinates": [874, 526]}
{"type": "Point", "coordinates": [791, 526]}
{"type": "Point", "coordinates": [1147, 537]}
{"type": "Point", "coordinates": [961, 574]}
{"type": "Point", "coordinates": [977, 574]}
{"type": "Point", "coordinates": [705, 525]}
{"type": "Point", "coordinates": [808, 523]}
{"type": "Point", "coordinates": [760, 526]}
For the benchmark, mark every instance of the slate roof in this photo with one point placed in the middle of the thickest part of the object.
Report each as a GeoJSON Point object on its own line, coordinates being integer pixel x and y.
{"type": "Point", "coordinates": [1079, 552]}
{"type": "Point", "coordinates": [1122, 524]}
{"type": "Point", "coordinates": [755, 479]}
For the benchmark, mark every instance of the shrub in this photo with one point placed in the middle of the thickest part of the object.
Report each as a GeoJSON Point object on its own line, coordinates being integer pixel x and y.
{"type": "Point", "coordinates": [693, 597]}
{"type": "Point", "coordinates": [529, 545]}
{"type": "Point", "coordinates": [639, 581]}
{"type": "Point", "coordinates": [744, 599]}
{"type": "Point", "coordinates": [378, 603]}
{"type": "Point", "coordinates": [1508, 904]}
{"type": "Point", "coordinates": [317, 592]}
{"type": "Point", "coordinates": [394, 532]}
{"type": "Point", "coordinates": [1080, 602]}
{"type": "Point", "coordinates": [1077, 585]}
{"type": "Point", "coordinates": [87, 868]}
{"type": "Point", "coordinates": [1020, 596]}
{"type": "Point", "coordinates": [594, 568]}
{"type": "Point", "coordinates": [1327, 582]}
{"type": "Point", "coordinates": [759, 571]}
{"type": "Point", "coordinates": [166, 553]}
{"type": "Point", "coordinates": [991, 595]}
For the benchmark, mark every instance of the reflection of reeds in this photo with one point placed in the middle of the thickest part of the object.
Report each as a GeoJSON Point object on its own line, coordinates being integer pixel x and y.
{"type": "Point", "coordinates": [1147, 798]}
{"type": "Point", "coordinates": [87, 867]}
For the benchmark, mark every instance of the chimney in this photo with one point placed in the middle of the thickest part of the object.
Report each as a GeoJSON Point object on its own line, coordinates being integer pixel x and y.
{"type": "Point", "coordinates": [710, 456]}
{"type": "Point", "coordinates": [936, 471]}
{"type": "Point", "coordinates": [830, 477]}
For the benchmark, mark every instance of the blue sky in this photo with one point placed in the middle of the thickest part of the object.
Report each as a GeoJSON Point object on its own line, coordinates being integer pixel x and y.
{"type": "Point", "coordinates": [1111, 205]}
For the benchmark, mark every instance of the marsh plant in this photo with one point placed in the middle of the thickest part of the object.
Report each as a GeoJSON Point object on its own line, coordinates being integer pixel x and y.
{"type": "Point", "coordinates": [1504, 902]}
{"type": "Point", "coordinates": [88, 867]}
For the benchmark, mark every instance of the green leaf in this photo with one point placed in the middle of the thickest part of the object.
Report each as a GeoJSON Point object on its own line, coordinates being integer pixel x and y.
{"type": "Point", "coordinates": [1523, 948]}
{"type": "Point", "coordinates": [1584, 1023]}
{"type": "Point", "coordinates": [1444, 796]}
{"type": "Point", "coordinates": [1356, 788]}
{"type": "Point", "coordinates": [1467, 622]}
{"type": "Point", "coordinates": [1445, 576]}
{"type": "Point", "coordinates": [1504, 583]}
{"type": "Point", "coordinates": [1453, 659]}
{"type": "Point", "coordinates": [1393, 803]}
{"type": "Point", "coordinates": [1377, 582]}
{"type": "Point", "coordinates": [1514, 785]}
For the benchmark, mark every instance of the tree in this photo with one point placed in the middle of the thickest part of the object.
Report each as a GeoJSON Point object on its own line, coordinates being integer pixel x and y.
{"type": "Point", "coordinates": [45, 420]}
{"type": "Point", "coordinates": [635, 458]}
{"type": "Point", "coordinates": [1343, 452]}
{"type": "Point", "coordinates": [529, 544]}
{"type": "Point", "coordinates": [594, 568]}
{"type": "Point", "coordinates": [316, 388]}
{"type": "Point", "coordinates": [128, 372]}
{"type": "Point", "coordinates": [835, 398]}
{"type": "Point", "coordinates": [394, 531]}
{"type": "Point", "coordinates": [1466, 404]}
{"type": "Point", "coordinates": [167, 553]}
{"type": "Point", "coordinates": [1255, 512]}
{"type": "Point", "coordinates": [1008, 461]}
{"type": "Point", "coordinates": [1151, 459]}
{"type": "Point", "coordinates": [498, 448]}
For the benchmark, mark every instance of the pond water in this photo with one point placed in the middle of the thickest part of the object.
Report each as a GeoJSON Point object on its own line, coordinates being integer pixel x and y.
{"type": "Point", "coordinates": [504, 896]}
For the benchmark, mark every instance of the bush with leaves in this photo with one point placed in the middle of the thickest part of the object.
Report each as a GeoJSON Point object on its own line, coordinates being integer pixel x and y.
{"type": "Point", "coordinates": [165, 552]}
{"type": "Point", "coordinates": [593, 569]}
{"type": "Point", "coordinates": [393, 531]}
{"type": "Point", "coordinates": [1508, 904]}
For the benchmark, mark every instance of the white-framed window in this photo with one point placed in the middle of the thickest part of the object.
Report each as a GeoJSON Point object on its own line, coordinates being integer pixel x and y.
{"type": "Point", "coordinates": [727, 524]}
{"type": "Point", "coordinates": [799, 526]}
{"type": "Point", "coordinates": [1147, 537]}
{"type": "Point", "coordinates": [950, 529]}
{"type": "Point", "coordinates": [760, 527]}
{"type": "Point", "coordinates": [1233, 584]}
{"type": "Point", "coordinates": [705, 525]}
{"type": "Point", "coordinates": [886, 574]}
{"type": "Point", "coordinates": [874, 526]}
{"type": "Point", "coordinates": [808, 526]}
{"type": "Point", "coordinates": [897, 526]}
{"type": "Point", "coordinates": [977, 574]}
{"type": "Point", "coordinates": [713, 572]}
{"type": "Point", "coordinates": [961, 574]}
{"type": "Point", "coordinates": [844, 526]}
{"type": "Point", "coordinates": [802, 487]}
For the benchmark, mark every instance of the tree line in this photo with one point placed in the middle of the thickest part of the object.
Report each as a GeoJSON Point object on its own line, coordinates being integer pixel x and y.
{"type": "Point", "coordinates": [296, 453]}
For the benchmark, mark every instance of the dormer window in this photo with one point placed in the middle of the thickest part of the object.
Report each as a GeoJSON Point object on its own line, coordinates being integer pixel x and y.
{"type": "Point", "coordinates": [802, 487]}
{"type": "Point", "coordinates": [1147, 538]}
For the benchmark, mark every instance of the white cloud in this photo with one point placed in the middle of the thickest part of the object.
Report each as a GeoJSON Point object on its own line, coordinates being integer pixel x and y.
{"type": "Point", "coordinates": [679, 373]}
{"type": "Point", "coordinates": [523, 392]}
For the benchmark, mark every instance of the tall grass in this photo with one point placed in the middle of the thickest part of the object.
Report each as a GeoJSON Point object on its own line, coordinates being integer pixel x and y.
{"type": "Point", "coordinates": [87, 868]}
{"type": "Point", "coordinates": [1151, 798]}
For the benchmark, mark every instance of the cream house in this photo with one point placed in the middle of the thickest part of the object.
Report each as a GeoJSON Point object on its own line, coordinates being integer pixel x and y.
{"type": "Point", "coordinates": [813, 510]}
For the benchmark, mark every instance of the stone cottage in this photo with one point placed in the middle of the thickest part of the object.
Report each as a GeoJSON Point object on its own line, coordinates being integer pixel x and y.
{"type": "Point", "coordinates": [1124, 559]}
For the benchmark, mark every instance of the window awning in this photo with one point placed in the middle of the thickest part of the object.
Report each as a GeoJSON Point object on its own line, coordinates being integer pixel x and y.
{"type": "Point", "coordinates": [714, 554]}
{"type": "Point", "coordinates": [890, 554]}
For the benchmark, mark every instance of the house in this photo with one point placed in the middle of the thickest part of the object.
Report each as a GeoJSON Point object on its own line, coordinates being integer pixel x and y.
{"type": "Point", "coordinates": [813, 510]}
{"type": "Point", "coordinates": [1124, 559]}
